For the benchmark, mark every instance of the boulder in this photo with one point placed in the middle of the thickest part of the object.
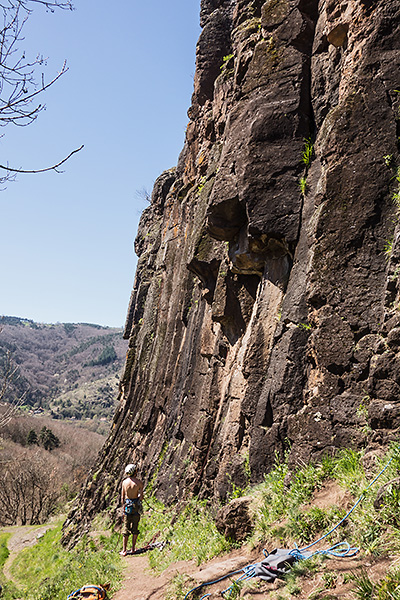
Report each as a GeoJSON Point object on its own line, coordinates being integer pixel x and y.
{"type": "Point", "coordinates": [234, 520]}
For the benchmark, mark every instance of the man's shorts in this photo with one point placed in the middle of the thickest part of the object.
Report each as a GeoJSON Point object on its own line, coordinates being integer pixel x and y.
{"type": "Point", "coordinates": [131, 523]}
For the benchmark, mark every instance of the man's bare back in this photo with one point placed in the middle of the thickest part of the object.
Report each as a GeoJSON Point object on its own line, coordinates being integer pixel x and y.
{"type": "Point", "coordinates": [132, 488]}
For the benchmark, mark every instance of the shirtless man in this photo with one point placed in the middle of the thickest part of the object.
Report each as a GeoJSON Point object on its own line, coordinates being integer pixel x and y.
{"type": "Point", "coordinates": [131, 497]}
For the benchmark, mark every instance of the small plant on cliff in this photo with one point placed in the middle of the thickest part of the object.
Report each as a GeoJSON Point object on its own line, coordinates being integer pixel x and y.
{"type": "Point", "coordinates": [225, 60]}
{"type": "Point", "coordinates": [307, 152]}
{"type": "Point", "coordinates": [388, 159]}
{"type": "Point", "coordinates": [237, 491]}
{"type": "Point", "coordinates": [305, 326]}
{"type": "Point", "coordinates": [306, 157]}
{"type": "Point", "coordinates": [201, 185]}
{"type": "Point", "coordinates": [396, 193]}
{"type": "Point", "coordinates": [387, 249]}
{"type": "Point", "coordinates": [303, 185]}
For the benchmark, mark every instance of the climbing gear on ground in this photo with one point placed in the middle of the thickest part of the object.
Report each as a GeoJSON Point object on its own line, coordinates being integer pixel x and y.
{"type": "Point", "coordinates": [88, 592]}
{"type": "Point", "coordinates": [276, 564]}
{"type": "Point", "coordinates": [148, 547]}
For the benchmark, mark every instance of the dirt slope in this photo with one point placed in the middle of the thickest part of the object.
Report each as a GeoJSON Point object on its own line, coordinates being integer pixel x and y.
{"type": "Point", "coordinates": [141, 583]}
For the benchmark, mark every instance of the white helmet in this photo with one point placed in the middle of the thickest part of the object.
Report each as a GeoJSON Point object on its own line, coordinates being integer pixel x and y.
{"type": "Point", "coordinates": [130, 469]}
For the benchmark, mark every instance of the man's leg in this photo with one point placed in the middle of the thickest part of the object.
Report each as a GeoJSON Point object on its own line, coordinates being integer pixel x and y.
{"type": "Point", "coordinates": [124, 544]}
{"type": "Point", "coordinates": [135, 532]}
{"type": "Point", "coordinates": [125, 535]}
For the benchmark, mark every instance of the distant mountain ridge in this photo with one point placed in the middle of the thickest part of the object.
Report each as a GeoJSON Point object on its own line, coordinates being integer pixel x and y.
{"type": "Point", "coordinates": [70, 370]}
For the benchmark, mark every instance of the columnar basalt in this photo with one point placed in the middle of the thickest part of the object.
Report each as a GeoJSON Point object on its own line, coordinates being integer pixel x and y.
{"type": "Point", "coordinates": [264, 314]}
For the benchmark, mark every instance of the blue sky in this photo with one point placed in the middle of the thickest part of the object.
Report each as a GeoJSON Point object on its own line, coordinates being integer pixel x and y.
{"type": "Point", "coordinates": [66, 240]}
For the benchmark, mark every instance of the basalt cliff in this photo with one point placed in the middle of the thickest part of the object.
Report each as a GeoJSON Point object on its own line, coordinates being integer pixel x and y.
{"type": "Point", "coordinates": [265, 311]}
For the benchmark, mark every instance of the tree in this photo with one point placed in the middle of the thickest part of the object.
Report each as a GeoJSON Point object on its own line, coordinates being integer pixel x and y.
{"type": "Point", "coordinates": [47, 438]}
{"type": "Point", "coordinates": [29, 492]}
{"type": "Point", "coordinates": [19, 89]}
{"type": "Point", "coordinates": [8, 375]}
{"type": "Point", "coordinates": [32, 438]}
{"type": "Point", "coordinates": [108, 355]}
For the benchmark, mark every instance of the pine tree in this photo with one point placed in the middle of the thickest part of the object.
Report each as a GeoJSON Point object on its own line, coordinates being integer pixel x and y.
{"type": "Point", "coordinates": [32, 438]}
{"type": "Point", "coordinates": [48, 440]}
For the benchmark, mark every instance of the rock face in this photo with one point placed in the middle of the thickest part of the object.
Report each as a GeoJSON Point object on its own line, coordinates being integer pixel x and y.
{"type": "Point", "coordinates": [265, 311]}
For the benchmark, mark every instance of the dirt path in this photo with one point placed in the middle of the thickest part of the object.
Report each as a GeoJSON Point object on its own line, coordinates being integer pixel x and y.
{"type": "Point", "coordinates": [141, 583]}
{"type": "Point", "coordinates": [23, 537]}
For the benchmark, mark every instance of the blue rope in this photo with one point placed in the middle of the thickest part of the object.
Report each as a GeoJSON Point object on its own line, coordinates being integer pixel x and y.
{"type": "Point", "coordinates": [248, 573]}
{"type": "Point", "coordinates": [339, 550]}
{"type": "Point", "coordinates": [351, 510]}
{"type": "Point", "coordinates": [211, 583]}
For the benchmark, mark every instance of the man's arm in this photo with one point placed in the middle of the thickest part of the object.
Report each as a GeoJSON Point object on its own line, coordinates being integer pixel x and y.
{"type": "Point", "coordinates": [123, 494]}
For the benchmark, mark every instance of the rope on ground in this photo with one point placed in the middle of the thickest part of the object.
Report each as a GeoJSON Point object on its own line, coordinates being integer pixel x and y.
{"type": "Point", "coordinates": [352, 508]}
{"type": "Point", "coordinates": [211, 583]}
{"type": "Point", "coordinates": [339, 550]}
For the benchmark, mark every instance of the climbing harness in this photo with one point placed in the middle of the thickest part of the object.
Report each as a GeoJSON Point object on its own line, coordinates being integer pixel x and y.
{"type": "Point", "coordinates": [278, 562]}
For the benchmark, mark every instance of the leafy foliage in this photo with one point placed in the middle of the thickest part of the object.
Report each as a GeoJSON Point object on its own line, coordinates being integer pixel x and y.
{"type": "Point", "coordinates": [32, 438]}
{"type": "Point", "coordinates": [47, 438]}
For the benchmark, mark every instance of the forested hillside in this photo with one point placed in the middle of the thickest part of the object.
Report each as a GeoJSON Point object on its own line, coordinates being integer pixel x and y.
{"type": "Point", "coordinates": [43, 462]}
{"type": "Point", "coordinates": [68, 370]}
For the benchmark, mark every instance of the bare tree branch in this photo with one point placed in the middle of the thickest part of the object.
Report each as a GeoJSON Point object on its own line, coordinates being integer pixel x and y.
{"type": "Point", "coordinates": [53, 168]}
{"type": "Point", "coordinates": [13, 4]}
{"type": "Point", "coordinates": [19, 88]}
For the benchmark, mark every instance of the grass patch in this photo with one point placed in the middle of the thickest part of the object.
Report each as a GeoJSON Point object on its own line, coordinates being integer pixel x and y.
{"type": "Point", "coordinates": [387, 588]}
{"type": "Point", "coordinates": [4, 552]}
{"type": "Point", "coordinates": [179, 587]}
{"type": "Point", "coordinates": [280, 514]}
{"type": "Point", "coordinates": [190, 534]}
{"type": "Point", "coordinates": [9, 590]}
{"type": "Point", "coordinates": [48, 572]}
